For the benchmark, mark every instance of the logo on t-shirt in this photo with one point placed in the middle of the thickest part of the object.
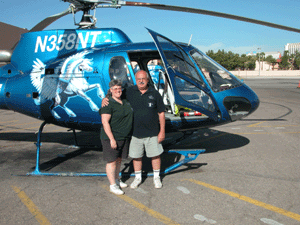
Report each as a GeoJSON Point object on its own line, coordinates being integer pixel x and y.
{"type": "Point", "coordinates": [151, 97]}
{"type": "Point", "coordinates": [150, 104]}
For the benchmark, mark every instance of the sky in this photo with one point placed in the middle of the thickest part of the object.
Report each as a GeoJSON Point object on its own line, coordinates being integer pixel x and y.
{"type": "Point", "coordinates": [207, 32]}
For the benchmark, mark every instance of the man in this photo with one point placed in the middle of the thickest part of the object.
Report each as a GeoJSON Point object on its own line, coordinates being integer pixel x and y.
{"type": "Point", "coordinates": [148, 127]}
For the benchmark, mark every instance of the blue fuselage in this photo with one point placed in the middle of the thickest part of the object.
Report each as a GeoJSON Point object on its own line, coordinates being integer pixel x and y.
{"type": "Point", "coordinates": [61, 76]}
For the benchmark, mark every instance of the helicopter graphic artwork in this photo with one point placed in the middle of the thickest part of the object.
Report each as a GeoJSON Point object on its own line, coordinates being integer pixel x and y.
{"type": "Point", "coordinates": [69, 83]}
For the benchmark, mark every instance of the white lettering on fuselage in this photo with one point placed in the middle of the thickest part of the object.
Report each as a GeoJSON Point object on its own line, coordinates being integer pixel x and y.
{"type": "Point", "coordinates": [66, 41]}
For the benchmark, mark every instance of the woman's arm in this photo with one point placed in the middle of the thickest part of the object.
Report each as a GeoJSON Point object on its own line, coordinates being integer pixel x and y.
{"type": "Point", "coordinates": [106, 126]}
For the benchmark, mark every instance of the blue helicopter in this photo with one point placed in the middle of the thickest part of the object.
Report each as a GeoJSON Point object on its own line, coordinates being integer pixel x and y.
{"type": "Point", "coordinates": [65, 74]}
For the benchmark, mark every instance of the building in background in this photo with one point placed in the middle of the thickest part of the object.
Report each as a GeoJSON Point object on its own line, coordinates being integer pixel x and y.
{"type": "Point", "coordinates": [264, 66]}
{"type": "Point", "coordinates": [292, 47]}
{"type": "Point", "coordinates": [275, 55]}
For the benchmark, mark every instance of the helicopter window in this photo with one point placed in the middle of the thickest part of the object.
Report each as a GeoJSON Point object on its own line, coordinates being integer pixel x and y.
{"type": "Point", "coordinates": [118, 70]}
{"type": "Point", "coordinates": [179, 60]}
{"type": "Point", "coordinates": [135, 66]}
{"type": "Point", "coordinates": [193, 94]}
{"type": "Point", "coordinates": [155, 69]}
{"type": "Point", "coordinates": [218, 78]}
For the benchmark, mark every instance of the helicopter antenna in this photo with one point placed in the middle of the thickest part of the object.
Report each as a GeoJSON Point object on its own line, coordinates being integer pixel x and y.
{"type": "Point", "coordinates": [190, 39]}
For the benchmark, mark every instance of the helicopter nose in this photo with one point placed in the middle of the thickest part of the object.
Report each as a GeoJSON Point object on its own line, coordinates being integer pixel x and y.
{"type": "Point", "coordinates": [242, 105]}
{"type": "Point", "coordinates": [255, 103]}
{"type": "Point", "coordinates": [252, 97]}
{"type": "Point", "coordinates": [2, 93]}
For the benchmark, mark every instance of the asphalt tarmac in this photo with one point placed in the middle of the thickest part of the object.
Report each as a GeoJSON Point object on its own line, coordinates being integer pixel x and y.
{"type": "Point", "coordinates": [249, 174]}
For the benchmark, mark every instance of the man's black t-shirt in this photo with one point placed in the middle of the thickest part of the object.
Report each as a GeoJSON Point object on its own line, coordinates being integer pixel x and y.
{"type": "Point", "coordinates": [145, 110]}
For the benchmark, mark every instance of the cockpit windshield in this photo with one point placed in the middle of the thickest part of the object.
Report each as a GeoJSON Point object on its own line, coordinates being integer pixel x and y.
{"type": "Point", "coordinates": [218, 78]}
{"type": "Point", "coordinates": [179, 60]}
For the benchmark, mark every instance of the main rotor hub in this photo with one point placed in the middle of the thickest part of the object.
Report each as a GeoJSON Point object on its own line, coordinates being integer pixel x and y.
{"type": "Point", "coordinates": [87, 20]}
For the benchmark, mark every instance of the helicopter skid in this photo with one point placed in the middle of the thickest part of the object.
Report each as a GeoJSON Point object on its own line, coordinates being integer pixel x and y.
{"type": "Point", "coordinates": [189, 155]}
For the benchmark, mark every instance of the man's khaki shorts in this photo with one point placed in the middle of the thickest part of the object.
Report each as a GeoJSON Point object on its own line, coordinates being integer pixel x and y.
{"type": "Point", "coordinates": [148, 144]}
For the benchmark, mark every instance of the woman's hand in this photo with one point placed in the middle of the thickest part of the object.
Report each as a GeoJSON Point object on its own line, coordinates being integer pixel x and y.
{"type": "Point", "coordinates": [113, 144]}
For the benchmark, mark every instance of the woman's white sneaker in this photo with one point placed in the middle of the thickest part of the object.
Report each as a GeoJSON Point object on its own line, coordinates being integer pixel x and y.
{"type": "Point", "coordinates": [121, 184]}
{"type": "Point", "coordinates": [116, 189]}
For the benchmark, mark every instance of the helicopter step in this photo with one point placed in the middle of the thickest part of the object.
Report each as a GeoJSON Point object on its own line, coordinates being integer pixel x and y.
{"type": "Point", "coordinates": [189, 155]}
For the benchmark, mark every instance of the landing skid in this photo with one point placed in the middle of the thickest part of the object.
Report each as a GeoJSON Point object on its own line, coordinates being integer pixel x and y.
{"type": "Point", "coordinates": [189, 155]}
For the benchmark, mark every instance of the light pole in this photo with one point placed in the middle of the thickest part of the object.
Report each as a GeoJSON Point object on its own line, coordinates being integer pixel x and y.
{"type": "Point", "coordinates": [258, 61]}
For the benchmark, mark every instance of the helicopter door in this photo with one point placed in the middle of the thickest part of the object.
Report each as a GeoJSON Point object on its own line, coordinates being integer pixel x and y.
{"type": "Point", "coordinates": [183, 78]}
{"type": "Point", "coordinates": [156, 72]}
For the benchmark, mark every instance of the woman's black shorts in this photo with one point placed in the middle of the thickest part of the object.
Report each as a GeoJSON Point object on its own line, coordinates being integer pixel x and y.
{"type": "Point", "coordinates": [110, 155]}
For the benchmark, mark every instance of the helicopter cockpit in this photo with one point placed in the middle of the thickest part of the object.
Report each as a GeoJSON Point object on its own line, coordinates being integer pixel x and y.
{"type": "Point", "coordinates": [188, 79]}
{"type": "Point", "coordinates": [217, 77]}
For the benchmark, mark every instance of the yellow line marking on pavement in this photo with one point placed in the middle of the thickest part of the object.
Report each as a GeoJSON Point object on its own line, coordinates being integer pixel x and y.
{"type": "Point", "coordinates": [58, 129]}
{"type": "Point", "coordinates": [254, 125]}
{"type": "Point", "coordinates": [8, 131]}
{"type": "Point", "coordinates": [145, 209]}
{"type": "Point", "coordinates": [270, 133]}
{"type": "Point", "coordinates": [26, 123]}
{"type": "Point", "coordinates": [280, 126]}
{"type": "Point", "coordinates": [35, 128]}
{"type": "Point", "coordinates": [250, 200]}
{"type": "Point", "coordinates": [208, 139]}
{"type": "Point", "coordinates": [9, 121]}
{"type": "Point", "coordinates": [31, 207]}
{"type": "Point", "coordinates": [20, 124]}
{"type": "Point", "coordinates": [205, 139]}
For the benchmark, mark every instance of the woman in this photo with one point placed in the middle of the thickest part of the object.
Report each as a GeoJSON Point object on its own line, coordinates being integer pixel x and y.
{"type": "Point", "coordinates": [115, 135]}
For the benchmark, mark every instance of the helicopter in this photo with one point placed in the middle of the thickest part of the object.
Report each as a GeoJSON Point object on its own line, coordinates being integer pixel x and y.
{"type": "Point", "coordinates": [61, 76]}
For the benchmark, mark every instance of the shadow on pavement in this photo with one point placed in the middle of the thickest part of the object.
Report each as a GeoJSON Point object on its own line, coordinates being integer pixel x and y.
{"type": "Point", "coordinates": [58, 152]}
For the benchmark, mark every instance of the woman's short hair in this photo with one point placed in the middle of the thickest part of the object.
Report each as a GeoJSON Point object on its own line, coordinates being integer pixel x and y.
{"type": "Point", "coordinates": [115, 83]}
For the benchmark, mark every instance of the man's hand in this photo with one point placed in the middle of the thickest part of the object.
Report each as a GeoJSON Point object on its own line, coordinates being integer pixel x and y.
{"type": "Point", "coordinates": [161, 137]}
{"type": "Point", "coordinates": [105, 102]}
{"type": "Point", "coordinates": [162, 121]}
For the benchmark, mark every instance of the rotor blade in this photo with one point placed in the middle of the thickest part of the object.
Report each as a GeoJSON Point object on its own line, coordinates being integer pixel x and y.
{"type": "Point", "coordinates": [210, 13]}
{"type": "Point", "coordinates": [46, 22]}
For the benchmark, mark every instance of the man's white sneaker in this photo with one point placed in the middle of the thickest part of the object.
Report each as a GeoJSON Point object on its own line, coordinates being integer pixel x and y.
{"type": "Point", "coordinates": [135, 183]}
{"type": "Point", "coordinates": [121, 184]}
{"type": "Point", "coordinates": [157, 182]}
{"type": "Point", "coordinates": [116, 190]}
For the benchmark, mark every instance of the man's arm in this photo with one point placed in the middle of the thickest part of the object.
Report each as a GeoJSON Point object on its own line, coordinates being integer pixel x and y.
{"type": "Point", "coordinates": [105, 102]}
{"type": "Point", "coordinates": [162, 123]}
